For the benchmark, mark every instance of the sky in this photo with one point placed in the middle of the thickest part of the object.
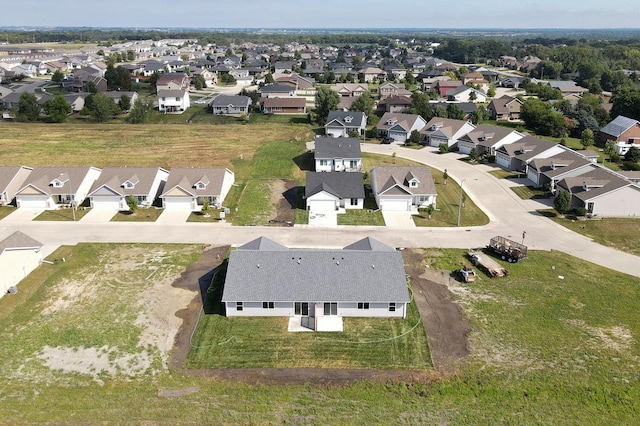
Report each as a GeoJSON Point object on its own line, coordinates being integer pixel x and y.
{"type": "Point", "coordinates": [589, 14]}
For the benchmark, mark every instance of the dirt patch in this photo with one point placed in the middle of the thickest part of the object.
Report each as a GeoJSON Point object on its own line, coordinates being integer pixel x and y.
{"type": "Point", "coordinates": [616, 338]}
{"type": "Point", "coordinates": [284, 197]}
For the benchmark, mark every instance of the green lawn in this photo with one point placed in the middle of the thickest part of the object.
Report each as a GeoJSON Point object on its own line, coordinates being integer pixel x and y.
{"type": "Point", "coordinates": [62, 215]}
{"type": "Point", "coordinates": [213, 216]}
{"type": "Point", "coordinates": [530, 192]}
{"type": "Point", "coordinates": [140, 215]}
{"type": "Point", "coordinates": [6, 211]}
{"type": "Point", "coordinates": [505, 174]}
{"type": "Point", "coordinates": [361, 217]}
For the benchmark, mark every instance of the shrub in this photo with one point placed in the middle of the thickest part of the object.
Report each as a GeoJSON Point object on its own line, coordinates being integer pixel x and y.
{"type": "Point", "coordinates": [581, 211]}
{"type": "Point", "coordinates": [443, 148]}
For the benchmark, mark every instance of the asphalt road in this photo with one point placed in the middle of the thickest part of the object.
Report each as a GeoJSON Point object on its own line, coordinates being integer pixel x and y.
{"type": "Point", "coordinates": [509, 216]}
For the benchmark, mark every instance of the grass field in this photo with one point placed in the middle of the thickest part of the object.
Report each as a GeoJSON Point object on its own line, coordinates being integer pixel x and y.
{"type": "Point", "coordinates": [545, 350]}
{"type": "Point", "coordinates": [140, 215]}
{"type": "Point", "coordinates": [6, 211]}
{"type": "Point", "coordinates": [530, 193]}
{"type": "Point", "coordinates": [61, 215]}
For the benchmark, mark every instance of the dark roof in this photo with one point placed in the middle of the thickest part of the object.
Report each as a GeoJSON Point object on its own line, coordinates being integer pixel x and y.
{"type": "Point", "coordinates": [598, 181]}
{"type": "Point", "coordinates": [342, 185]}
{"type": "Point", "coordinates": [329, 147]}
{"type": "Point", "coordinates": [276, 88]}
{"type": "Point", "coordinates": [309, 275]}
{"type": "Point", "coordinates": [342, 117]}
{"type": "Point", "coordinates": [487, 135]}
{"type": "Point", "coordinates": [226, 100]}
{"type": "Point", "coordinates": [559, 164]}
{"type": "Point", "coordinates": [619, 125]}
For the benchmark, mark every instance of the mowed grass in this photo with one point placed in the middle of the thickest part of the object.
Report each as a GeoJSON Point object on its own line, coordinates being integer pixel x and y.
{"type": "Point", "coordinates": [361, 217]}
{"type": "Point", "coordinates": [140, 215]}
{"type": "Point", "coordinates": [61, 215]}
{"type": "Point", "coordinates": [530, 193]}
{"type": "Point", "coordinates": [6, 211]}
{"type": "Point", "coordinates": [544, 350]}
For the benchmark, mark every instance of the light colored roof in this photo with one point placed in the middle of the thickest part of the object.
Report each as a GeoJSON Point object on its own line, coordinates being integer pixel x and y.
{"type": "Point", "coordinates": [42, 177]}
{"type": "Point", "coordinates": [115, 177]}
{"type": "Point", "coordinates": [307, 275]}
{"type": "Point", "coordinates": [284, 102]}
{"type": "Point", "coordinates": [392, 178]}
{"type": "Point", "coordinates": [18, 240]}
{"type": "Point", "coordinates": [599, 180]}
{"type": "Point", "coordinates": [186, 179]}
{"type": "Point", "coordinates": [8, 174]}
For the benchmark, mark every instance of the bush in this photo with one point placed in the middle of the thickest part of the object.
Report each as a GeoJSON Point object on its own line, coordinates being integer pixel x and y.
{"type": "Point", "coordinates": [443, 148]}
{"type": "Point", "coordinates": [581, 211]}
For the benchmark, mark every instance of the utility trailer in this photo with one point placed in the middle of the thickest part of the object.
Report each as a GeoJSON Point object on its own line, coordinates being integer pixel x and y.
{"type": "Point", "coordinates": [508, 250]}
{"type": "Point", "coordinates": [485, 262]}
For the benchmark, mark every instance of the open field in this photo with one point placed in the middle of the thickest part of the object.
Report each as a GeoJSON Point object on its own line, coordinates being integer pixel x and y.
{"type": "Point", "coordinates": [544, 349]}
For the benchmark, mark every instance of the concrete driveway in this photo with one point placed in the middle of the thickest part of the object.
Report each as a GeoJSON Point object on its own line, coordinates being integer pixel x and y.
{"type": "Point", "coordinates": [22, 215]}
{"type": "Point", "coordinates": [323, 219]}
{"type": "Point", "coordinates": [173, 216]}
{"type": "Point", "coordinates": [99, 216]}
{"type": "Point", "coordinates": [398, 220]}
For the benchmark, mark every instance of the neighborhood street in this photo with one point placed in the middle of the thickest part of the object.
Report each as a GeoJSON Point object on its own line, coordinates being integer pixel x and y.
{"type": "Point", "coordinates": [510, 216]}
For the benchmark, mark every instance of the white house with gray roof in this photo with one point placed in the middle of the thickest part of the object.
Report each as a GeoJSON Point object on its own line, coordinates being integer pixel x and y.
{"type": "Point", "coordinates": [316, 288]}
{"type": "Point", "coordinates": [11, 180]}
{"type": "Point", "coordinates": [19, 255]}
{"type": "Point", "coordinates": [116, 184]}
{"type": "Point", "coordinates": [230, 105]}
{"type": "Point", "coordinates": [187, 188]}
{"type": "Point", "coordinates": [403, 188]}
{"type": "Point", "coordinates": [337, 154]}
{"type": "Point", "coordinates": [341, 123]}
{"type": "Point", "coordinates": [398, 127]}
{"type": "Point", "coordinates": [334, 192]}
{"type": "Point", "coordinates": [444, 131]}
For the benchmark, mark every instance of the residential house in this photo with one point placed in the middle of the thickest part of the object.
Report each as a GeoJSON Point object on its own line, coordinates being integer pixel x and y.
{"type": "Point", "coordinates": [624, 131]}
{"type": "Point", "coordinates": [372, 75]}
{"type": "Point", "coordinates": [444, 131]}
{"type": "Point", "coordinates": [350, 90]}
{"type": "Point", "coordinates": [505, 108]}
{"type": "Point", "coordinates": [444, 86]}
{"type": "Point", "coordinates": [277, 90]}
{"type": "Point", "coordinates": [398, 104]}
{"type": "Point", "coordinates": [337, 154]}
{"type": "Point", "coordinates": [547, 171]}
{"type": "Point", "coordinates": [187, 188]}
{"type": "Point", "coordinates": [173, 92]}
{"type": "Point", "coordinates": [240, 74]}
{"type": "Point", "coordinates": [342, 123]}
{"type": "Point", "coordinates": [210, 78]}
{"type": "Point", "coordinates": [474, 78]}
{"type": "Point", "coordinates": [511, 82]}
{"type": "Point", "coordinates": [466, 94]}
{"type": "Point", "coordinates": [567, 87]}
{"type": "Point", "coordinates": [403, 188]}
{"type": "Point", "coordinates": [295, 105]}
{"type": "Point", "coordinates": [386, 90]}
{"type": "Point", "coordinates": [316, 288]}
{"type": "Point", "coordinates": [52, 187]}
{"type": "Point", "coordinates": [398, 127]}
{"type": "Point", "coordinates": [116, 184]}
{"type": "Point", "coordinates": [518, 154]}
{"type": "Point", "coordinates": [282, 66]}
{"type": "Point", "coordinates": [331, 193]}
{"type": "Point", "coordinates": [117, 95]}
{"type": "Point", "coordinates": [19, 256]}
{"type": "Point", "coordinates": [11, 180]}
{"type": "Point", "coordinates": [27, 70]}
{"type": "Point", "coordinates": [230, 105]}
{"type": "Point", "coordinates": [302, 85]}
{"type": "Point", "coordinates": [486, 139]}
{"type": "Point", "coordinates": [603, 193]}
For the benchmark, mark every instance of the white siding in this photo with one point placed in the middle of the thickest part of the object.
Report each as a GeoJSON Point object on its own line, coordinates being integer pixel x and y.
{"type": "Point", "coordinates": [624, 202]}
{"type": "Point", "coordinates": [503, 161]}
{"type": "Point", "coordinates": [322, 202]}
{"type": "Point", "coordinates": [16, 265]}
{"type": "Point", "coordinates": [227, 183]}
{"type": "Point", "coordinates": [376, 310]}
{"type": "Point", "coordinates": [34, 202]}
{"type": "Point", "coordinates": [395, 205]}
{"type": "Point", "coordinates": [465, 148]}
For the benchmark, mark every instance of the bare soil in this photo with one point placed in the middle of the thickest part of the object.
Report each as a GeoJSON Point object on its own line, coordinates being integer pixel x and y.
{"type": "Point", "coordinates": [284, 196]}
{"type": "Point", "coordinates": [445, 325]}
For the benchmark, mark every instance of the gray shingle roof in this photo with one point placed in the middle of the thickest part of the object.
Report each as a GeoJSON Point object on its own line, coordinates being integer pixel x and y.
{"type": "Point", "coordinates": [299, 275]}
{"type": "Point", "coordinates": [390, 178]}
{"type": "Point", "coordinates": [329, 147]}
{"type": "Point", "coordinates": [115, 177]}
{"type": "Point", "coordinates": [342, 117]}
{"type": "Point", "coordinates": [18, 240]}
{"type": "Point", "coordinates": [186, 179]}
{"type": "Point", "coordinates": [618, 126]}
{"type": "Point", "coordinates": [71, 178]}
{"type": "Point", "coordinates": [600, 181]}
{"type": "Point", "coordinates": [226, 100]}
{"type": "Point", "coordinates": [342, 185]}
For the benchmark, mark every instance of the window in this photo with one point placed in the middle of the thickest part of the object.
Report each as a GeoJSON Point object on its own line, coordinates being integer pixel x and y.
{"type": "Point", "coordinates": [413, 184]}
{"type": "Point", "coordinates": [301, 308]}
{"type": "Point", "coordinates": [392, 306]}
{"type": "Point", "coordinates": [141, 198]}
{"type": "Point", "coordinates": [324, 162]}
{"type": "Point", "coordinates": [354, 202]}
{"type": "Point", "coordinates": [331, 309]}
{"type": "Point", "coordinates": [363, 305]}
{"type": "Point", "coordinates": [353, 164]}
{"type": "Point", "coordinates": [267, 305]}
{"type": "Point", "coordinates": [423, 198]}
{"type": "Point", "coordinates": [239, 306]}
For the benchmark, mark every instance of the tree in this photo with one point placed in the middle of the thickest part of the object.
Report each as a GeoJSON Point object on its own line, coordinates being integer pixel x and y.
{"type": "Point", "coordinates": [430, 210]}
{"type": "Point", "coordinates": [140, 111]}
{"type": "Point", "coordinates": [479, 115]}
{"type": "Point", "coordinates": [124, 103]}
{"type": "Point", "coordinates": [103, 108]}
{"type": "Point", "coordinates": [492, 90]}
{"type": "Point", "coordinates": [57, 109]}
{"type": "Point", "coordinates": [28, 108]}
{"type": "Point", "coordinates": [633, 155]}
{"type": "Point", "coordinates": [414, 138]}
{"type": "Point", "coordinates": [364, 103]}
{"type": "Point", "coordinates": [326, 101]}
{"type": "Point", "coordinates": [454, 112]}
{"type": "Point", "coordinates": [199, 82]}
{"type": "Point", "coordinates": [443, 148]}
{"type": "Point", "coordinates": [227, 78]}
{"type": "Point", "coordinates": [473, 154]}
{"type": "Point", "coordinates": [132, 203]}
{"type": "Point", "coordinates": [205, 207]}
{"type": "Point", "coordinates": [610, 148]}
{"type": "Point", "coordinates": [410, 79]}
{"type": "Point", "coordinates": [586, 138]}
{"type": "Point", "coordinates": [420, 105]}
{"type": "Point", "coordinates": [269, 79]}
{"type": "Point", "coordinates": [562, 202]}
{"type": "Point", "coordinates": [57, 76]}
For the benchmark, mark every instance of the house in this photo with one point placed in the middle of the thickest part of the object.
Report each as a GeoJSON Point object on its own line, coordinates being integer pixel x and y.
{"type": "Point", "coordinates": [398, 127]}
{"type": "Point", "coordinates": [350, 89]}
{"type": "Point", "coordinates": [283, 66]}
{"type": "Point", "coordinates": [342, 123]}
{"type": "Point", "coordinates": [210, 78]}
{"type": "Point", "coordinates": [466, 94]}
{"type": "Point", "coordinates": [624, 131]}
{"type": "Point", "coordinates": [517, 155]}
{"type": "Point", "coordinates": [567, 87]}
{"type": "Point", "coordinates": [337, 154]}
{"type": "Point", "coordinates": [297, 105]}
{"type": "Point", "coordinates": [316, 288]}
{"type": "Point", "coordinates": [277, 90]}
{"type": "Point", "coordinates": [116, 184]}
{"type": "Point", "coordinates": [505, 108]}
{"type": "Point", "coordinates": [486, 138]}
{"type": "Point", "coordinates": [19, 255]}
{"type": "Point", "coordinates": [52, 187]}
{"type": "Point", "coordinates": [398, 104]}
{"type": "Point", "coordinates": [403, 188]}
{"type": "Point", "coordinates": [173, 92]}
{"type": "Point", "coordinates": [334, 192]}
{"type": "Point", "coordinates": [187, 188]}
{"type": "Point", "coordinates": [116, 96]}
{"type": "Point", "coordinates": [372, 75]}
{"type": "Point", "coordinates": [387, 90]}
{"type": "Point", "coordinates": [11, 180]}
{"type": "Point", "coordinates": [474, 77]}
{"type": "Point", "coordinates": [444, 86]}
{"type": "Point", "coordinates": [511, 82]}
{"type": "Point", "coordinates": [603, 193]}
{"type": "Point", "coordinates": [444, 131]}
{"type": "Point", "coordinates": [547, 171]}
{"type": "Point", "coordinates": [230, 105]}
{"type": "Point", "coordinates": [302, 85]}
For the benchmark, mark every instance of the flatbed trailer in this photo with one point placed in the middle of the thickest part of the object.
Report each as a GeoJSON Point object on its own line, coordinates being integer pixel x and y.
{"type": "Point", "coordinates": [484, 261]}
{"type": "Point", "coordinates": [507, 249]}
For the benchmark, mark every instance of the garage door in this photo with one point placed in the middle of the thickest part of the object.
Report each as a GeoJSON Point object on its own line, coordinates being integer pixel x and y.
{"type": "Point", "coordinates": [106, 203]}
{"type": "Point", "coordinates": [395, 205]}
{"type": "Point", "coordinates": [175, 203]}
{"type": "Point", "coordinates": [322, 206]}
{"type": "Point", "coordinates": [32, 202]}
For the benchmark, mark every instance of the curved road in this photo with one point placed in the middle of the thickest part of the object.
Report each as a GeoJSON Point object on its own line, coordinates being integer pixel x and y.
{"type": "Point", "coordinates": [509, 216]}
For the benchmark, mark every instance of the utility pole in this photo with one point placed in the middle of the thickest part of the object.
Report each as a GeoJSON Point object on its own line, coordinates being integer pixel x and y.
{"type": "Point", "coordinates": [460, 203]}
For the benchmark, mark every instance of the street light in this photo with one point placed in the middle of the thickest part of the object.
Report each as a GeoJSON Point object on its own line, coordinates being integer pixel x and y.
{"type": "Point", "coordinates": [460, 204]}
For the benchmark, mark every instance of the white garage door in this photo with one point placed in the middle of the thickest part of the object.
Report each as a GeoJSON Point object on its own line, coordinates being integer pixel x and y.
{"type": "Point", "coordinates": [321, 206]}
{"type": "Point", "coordinates": [106, 203]}
{"type": "Point", "coordinates": [395, 205]}
{"type": "Point", "coordinates": [32, 202]}
{"type": "Point", "coordinates": [175, 203]}
{"type": "Point", "coordinates": [464, 149]}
